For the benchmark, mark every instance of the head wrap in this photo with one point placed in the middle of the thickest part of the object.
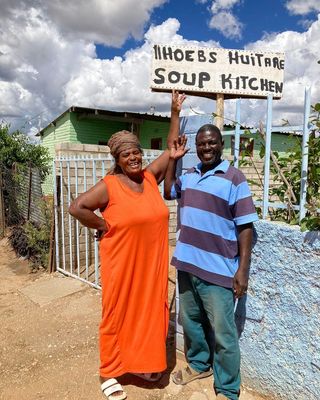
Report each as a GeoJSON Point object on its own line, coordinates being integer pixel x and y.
{"type": "Point", "coordinates": [121, 141]}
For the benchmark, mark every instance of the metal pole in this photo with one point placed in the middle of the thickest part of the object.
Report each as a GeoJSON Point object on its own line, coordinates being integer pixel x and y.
{"type": "Point", "coordinates": [77, 222]}
{"type": "Point", "coordinates": [56, 222]}
{"type": "Point", "coordinates": [237, 135]}
{"type": "Point", "coordinates": [304, 153]}
{"type": "Point", "coordinates": [69, 218]}
{"type": "Point", "coordinates": [62, 216]}
{"type": "Point", "coordinates": [86, 229]}
{"type": "Point", "coordinates": [267, 159]}
{"type": "Point", "coordinates": [96, 248]}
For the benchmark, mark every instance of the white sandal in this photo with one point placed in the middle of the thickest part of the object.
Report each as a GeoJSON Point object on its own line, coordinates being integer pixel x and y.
{"type": "Point", "coordinates": [111, 386]}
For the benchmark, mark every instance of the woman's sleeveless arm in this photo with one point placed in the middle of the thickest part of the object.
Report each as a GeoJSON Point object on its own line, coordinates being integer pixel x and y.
{"type": "Point", "coordinates": [83, 207]}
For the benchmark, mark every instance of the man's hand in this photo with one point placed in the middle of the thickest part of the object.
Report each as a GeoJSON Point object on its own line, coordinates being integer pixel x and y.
{"type": "Point", "coordinates": [240, 283]}
{"type": "Point", "coordinates": [178, 150]}
{"type": "Point", "coordinates": [177, 100]}
{"type": "Point", "coordinates": [240, 280]}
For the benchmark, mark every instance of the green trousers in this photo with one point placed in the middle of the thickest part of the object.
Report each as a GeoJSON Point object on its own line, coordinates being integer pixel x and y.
{"type": "Point", "coordinates": [207, 318]}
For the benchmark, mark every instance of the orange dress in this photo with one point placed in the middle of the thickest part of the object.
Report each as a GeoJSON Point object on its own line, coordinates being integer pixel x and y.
{"type": "Point", "coordinates": [134, 278]}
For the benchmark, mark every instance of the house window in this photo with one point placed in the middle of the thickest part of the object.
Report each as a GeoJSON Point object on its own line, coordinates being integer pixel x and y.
{"type": "Point", "coordinates": [246, 146]}
{"type": "Point", "coordinates": [156, 143]}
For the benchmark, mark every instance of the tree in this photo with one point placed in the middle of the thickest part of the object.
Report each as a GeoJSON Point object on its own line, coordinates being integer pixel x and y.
{"type": "Point", "coordinates": [29, 239]}
{"type": "Point", "coordinates": [17, 148]}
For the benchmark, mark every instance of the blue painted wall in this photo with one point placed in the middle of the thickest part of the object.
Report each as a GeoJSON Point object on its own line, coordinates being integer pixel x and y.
{"type": "Point", "coordinates": [280, 342]}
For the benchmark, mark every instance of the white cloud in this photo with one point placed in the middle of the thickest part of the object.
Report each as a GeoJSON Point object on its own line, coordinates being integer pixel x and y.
{"type": "Point", "coordinates": [224, 20]}
{"type": "Point", "coordinates": [301, 71]}
{"type": "Point", "coordinates": [218, 5]}
{"type": "Point", "coordinates": [38, 59]}
{"type": "Point", "coordinates": [101, 21]}
{"type": "Point", "coordinates": [305, 23]}
{"type": "Point", "coordinates": [227, 24]}
{"type": "Point", "coordinates": [35, 63]}
{"type": "Point", "coordinates": [299, 7]}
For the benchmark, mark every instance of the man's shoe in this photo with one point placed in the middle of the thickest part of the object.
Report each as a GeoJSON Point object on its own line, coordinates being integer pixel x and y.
{"type": "Point", "coordinates": [186, 375]}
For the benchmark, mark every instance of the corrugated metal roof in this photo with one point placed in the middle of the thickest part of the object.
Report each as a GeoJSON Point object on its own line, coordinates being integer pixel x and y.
{"type": "Point", "coordinates": [95, 112]}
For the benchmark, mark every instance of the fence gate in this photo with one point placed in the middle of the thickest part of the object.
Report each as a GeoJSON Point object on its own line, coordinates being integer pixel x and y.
{"type": "Point", "coordinates": [77, 251]}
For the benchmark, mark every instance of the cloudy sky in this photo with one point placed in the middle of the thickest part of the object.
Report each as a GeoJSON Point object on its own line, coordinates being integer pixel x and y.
{"type": "Point", "coordinates": [97, 53]}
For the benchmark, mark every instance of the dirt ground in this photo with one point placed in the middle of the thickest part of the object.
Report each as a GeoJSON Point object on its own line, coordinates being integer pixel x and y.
{"type": "Point", "coordinates": [49, 341]}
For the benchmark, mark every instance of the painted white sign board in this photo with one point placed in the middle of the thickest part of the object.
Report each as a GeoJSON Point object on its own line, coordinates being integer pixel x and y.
{"type": "Point", "coordinates": [207, 71]}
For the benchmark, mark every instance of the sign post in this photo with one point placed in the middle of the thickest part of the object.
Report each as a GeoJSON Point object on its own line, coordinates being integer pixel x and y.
{"type": "Point", "coordinates": [219, 111]}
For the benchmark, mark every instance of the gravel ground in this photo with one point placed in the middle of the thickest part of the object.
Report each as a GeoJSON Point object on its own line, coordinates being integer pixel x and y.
{"type": "Point", "coordinates": [49, 350]}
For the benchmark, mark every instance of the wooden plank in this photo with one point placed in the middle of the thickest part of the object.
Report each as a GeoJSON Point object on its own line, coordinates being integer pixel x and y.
{"type": "Point", "coordinates": [219, 117]}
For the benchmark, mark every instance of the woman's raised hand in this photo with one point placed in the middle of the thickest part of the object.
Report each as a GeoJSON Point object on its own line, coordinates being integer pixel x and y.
{"type": "Point", "coordinates": [179, 149]}
{"type": "Point", "coordinates": [177, 100]}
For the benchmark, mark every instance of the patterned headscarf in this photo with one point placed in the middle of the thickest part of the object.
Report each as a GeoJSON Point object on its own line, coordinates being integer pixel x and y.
{"type": "Point", "coordinates": [121, 141]}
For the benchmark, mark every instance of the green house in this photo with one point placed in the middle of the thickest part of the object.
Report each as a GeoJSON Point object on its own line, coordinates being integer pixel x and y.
{"type": "Point", "coordinates": [93, 126]}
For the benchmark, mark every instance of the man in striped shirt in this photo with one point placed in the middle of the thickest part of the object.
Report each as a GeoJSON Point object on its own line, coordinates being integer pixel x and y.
{"type": "Point", "coordinates": [212, 257]}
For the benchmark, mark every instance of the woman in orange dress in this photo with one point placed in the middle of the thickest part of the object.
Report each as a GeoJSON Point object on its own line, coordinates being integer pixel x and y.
{"type": "Point", "coordinates": [134, 258]}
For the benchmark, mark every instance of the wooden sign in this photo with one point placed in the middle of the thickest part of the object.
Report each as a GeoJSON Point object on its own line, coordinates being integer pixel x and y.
{"type": "Point", "coordinates": [208, 71]}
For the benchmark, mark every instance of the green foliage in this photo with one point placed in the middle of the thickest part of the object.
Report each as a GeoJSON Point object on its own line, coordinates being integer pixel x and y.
{"type": "Point", "coordinates": [17, 155]}
{"type": "Point", "coordinates": [33, 240]}
{"type": "Point", "coordinates": [290, 165]}
{"type": "Point", "coordinates": [38, 242]}
{"type": "Point", "coordinates": [286, 170]}
{"type": "Point", "coordinates": [312, 219]}
{"type": "Point", "coordinates": [17, 148]}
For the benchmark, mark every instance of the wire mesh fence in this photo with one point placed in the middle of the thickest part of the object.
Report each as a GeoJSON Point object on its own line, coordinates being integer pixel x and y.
{"type": "Point", "coordinates": [21, 195]}
{"type": "Point", "coordinates": [27, 214]}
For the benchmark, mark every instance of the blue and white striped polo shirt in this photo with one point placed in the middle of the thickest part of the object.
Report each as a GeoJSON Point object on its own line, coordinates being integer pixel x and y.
{"type": "Point", "coordinates": [211, 206]}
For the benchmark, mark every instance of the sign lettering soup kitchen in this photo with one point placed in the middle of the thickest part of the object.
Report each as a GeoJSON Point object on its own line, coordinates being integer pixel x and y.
{"type": "Point", "coordinates": [205, 71]}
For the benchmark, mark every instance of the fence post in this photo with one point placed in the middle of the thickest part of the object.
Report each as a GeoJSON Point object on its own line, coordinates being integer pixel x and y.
{"type": "Point", "coordinates": [55, 208]}
{"type": "Point", "coordinates": [96, 248]}
{"type": "Point", "coordinates": [304, 153]}
{"type": "Point", "coordinates": [237, 135]}
{"type": "Point", "coordinates": [265, 203]}
{"type": "Point", "coordinates": [29, 192]}
{"type": "Point", "coordinates": [2, 214]}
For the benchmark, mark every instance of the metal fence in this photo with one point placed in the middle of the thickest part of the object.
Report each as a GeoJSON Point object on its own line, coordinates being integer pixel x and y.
{"type": "Point", "coordinates": [304, 128]}
{"type": "Point", "coordinates": [21, 196]}
{"type": "Point", "coordinates": [190, 126]}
